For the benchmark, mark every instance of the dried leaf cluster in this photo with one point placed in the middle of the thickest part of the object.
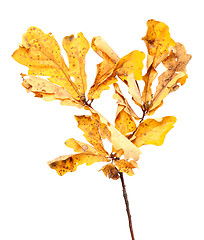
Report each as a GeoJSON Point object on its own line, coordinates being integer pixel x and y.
{"type": "Point", "coordinates": [51, 79]}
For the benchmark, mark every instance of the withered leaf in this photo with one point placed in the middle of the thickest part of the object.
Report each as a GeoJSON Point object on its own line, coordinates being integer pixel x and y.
{"type": "Point", "coordinates": [69, 163]}
{"type": "Point", "coordinates": [148, 79]}
{"type": "Point", "coordinates": [80, 146]}
{"type": "Point", "coordinates": [90, 127]}
{"type": "Point", "coordinates": [41, 53]}
{"type": "Point", "coordinates": [158, 41]}
{"type": "Point", "coordinates": [126, 166]}
{"type": "Point", "coordinates": [76, 49]}
{"type": "Point", "coordinates": [134, 90]}
{"type": "Point", "coordinates": [125, 115]}
{"type": "Point", "coordinates": [110, 171]}
{"type": "Point", "coordinates": [130, 63]}
{"type": "Point", "coordinates": [174, 76]}
{"type": "Point", "coordinates": [118, 140]}
{"type": "Point", "coordinates": [48, 91]}
{"type": "Point", "coordinates": [153, 131]}
{"type": "Point", "coordinates": [112, 65]}
{"type": "Point", "coordinates": [104, 69]}
{"type": "Point", "coordinates": [166, 86]}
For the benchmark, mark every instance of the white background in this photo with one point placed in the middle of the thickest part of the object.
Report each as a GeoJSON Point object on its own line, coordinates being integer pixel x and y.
{"type": "Point", "coordinates": [166, 194]}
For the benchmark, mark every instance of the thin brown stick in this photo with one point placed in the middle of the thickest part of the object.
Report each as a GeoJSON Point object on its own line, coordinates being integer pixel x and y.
{"type": "Point", "coordinates": [127, 205]}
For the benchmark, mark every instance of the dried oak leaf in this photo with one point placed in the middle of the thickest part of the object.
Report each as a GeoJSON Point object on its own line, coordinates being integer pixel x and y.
{"type": "Point", "coordinates": [69, 163]}
{"type": "Point", "coordinates": [41, 53]}
{"type": "Point", "coordinates": [174, 76]}
{"type": "Point", "coordinates": [130, 63]}
{"type": "Point", "coordinates": [112, 65]}
{"type": "Point", "coordinates": [48, 91]}
{"type": "Point", "coordinates": [153, 131]}
{"type": "Point", "coordinates": [125, 115]}
{"type": "Point", "coordinates": [80, 146]}
{"type": "Point", "coordinates": [134, 90]}
{"type": "Point", "coordinates": [162, 49]}
{"type": "Point", "coordinates": [126, 166]}
{"type": "Point", "coordinates": [76, 49]}
{"type": "Point", "coordinates": [104, 69]}
{"type": "Point", "coordinates": [158, 41]}
{"type": "Point", "coordinates": [118, 140]}
{"type": "Point", "coordinates": [90, 127]}
{"type": "Point", "coordinates": [110, 171]}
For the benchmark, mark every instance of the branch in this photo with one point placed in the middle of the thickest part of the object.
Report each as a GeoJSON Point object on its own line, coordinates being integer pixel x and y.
{"type": "Point", "coordinates": [127, 205]}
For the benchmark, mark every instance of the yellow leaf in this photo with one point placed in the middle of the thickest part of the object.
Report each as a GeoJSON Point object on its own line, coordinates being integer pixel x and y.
{"type": "Point", "coordinates": [80, 146]}
{"type": "Point", "coordinates": [126, 166]}
{"type": "Point", "coordinates": [90, 128]}
{"type": "Point", "coordinates": [118, 140]}
{"type": "Point", "coordinates": [122, 101]}
{"type": "Point", "coordinates": [48, 91]}
{"type": "Point", "coordinates": [152, 131]}
{"type": "Point", "coordinates": [130, 63]}
{"type": "Point", "coordinates": [124, 121]}
{"type": "Point", "coordinates": [134, 90]}
{"type": "Point", "coordinates": [69, 163]}
{"type": "Point", "coordinates": [110, 171]}
{"type": "Point", "coordinates": [76, 49]}
{"type": "Point", "coordinates": [41, 53]}
{"type": "Point", "coordinates": [158, 41]}
{"type": "Point", "coordinates": [148, 78]}
{"type": "Point", "coordinates": [104, 69]}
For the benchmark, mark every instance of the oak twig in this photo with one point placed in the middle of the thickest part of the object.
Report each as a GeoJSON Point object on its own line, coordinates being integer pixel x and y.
{"type": "Point", "coordinates": [127, 205]}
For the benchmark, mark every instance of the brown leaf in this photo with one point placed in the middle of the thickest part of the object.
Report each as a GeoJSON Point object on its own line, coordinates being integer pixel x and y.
{"type": "Point", "coordinates": [174, 76]}
{"type": "Point", "coordinates": [110, 171]}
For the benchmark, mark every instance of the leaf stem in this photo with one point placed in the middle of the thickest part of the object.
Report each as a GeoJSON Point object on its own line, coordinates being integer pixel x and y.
{"type": "Point", "coordinates": [127, 205]}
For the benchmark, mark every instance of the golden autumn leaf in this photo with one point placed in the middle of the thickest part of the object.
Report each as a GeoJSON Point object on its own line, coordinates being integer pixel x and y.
{"type": "Point", "coordinates": [153, 131]}
{"type": "Point", "coordinates": [134, 90]}
{"type": "Point", "coordinates": [104, 69]}
{"type": "Point", "coordinates": [158, 41]}
{"type": "Point", "coordinates": [41, 53]}
{"type": "Point", "coordinates": [76, 49]}
{"type": "Point", "coordinates": [148, 79]}
{"type": "Point", "coordinates": [118, 140]}
{"type": "Point", "coordinates": [126, 166]}
{"type": "Point", "coordinates": [125, 115]}
{"type": "Point", "coordinates": [90, 128]}
{"type": "Point", "coordinates": [162, 49]}
{"type": "Point", "coordinates": [110, 171]}
{"type": "Point", "coordinates": [130, 63]}
{"type": "Point", "coordinates": [69, 163]}
{"type": "Point", "coordinates": [112, 65]}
